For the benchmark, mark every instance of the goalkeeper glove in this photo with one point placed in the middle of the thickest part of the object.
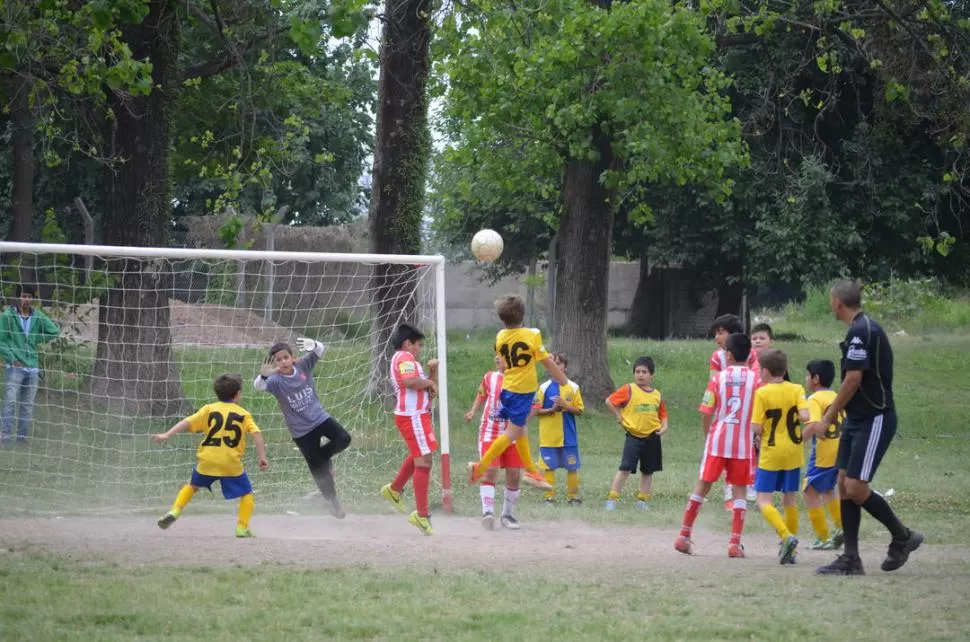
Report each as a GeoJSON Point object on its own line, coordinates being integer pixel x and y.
{"type": "Point", "coordinates": [306, 345]}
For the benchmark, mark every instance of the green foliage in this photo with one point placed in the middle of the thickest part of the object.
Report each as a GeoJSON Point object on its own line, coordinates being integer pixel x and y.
{"type": "Point", "coordinates": [528, 87]}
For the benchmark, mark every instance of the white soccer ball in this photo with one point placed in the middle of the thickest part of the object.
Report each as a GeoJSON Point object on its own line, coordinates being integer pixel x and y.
{"type": "Point", "coordinates": [487, 245]}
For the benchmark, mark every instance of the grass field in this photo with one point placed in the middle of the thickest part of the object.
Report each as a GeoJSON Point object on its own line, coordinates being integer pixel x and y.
{"type": "Point", "coordinates": [639, 588]}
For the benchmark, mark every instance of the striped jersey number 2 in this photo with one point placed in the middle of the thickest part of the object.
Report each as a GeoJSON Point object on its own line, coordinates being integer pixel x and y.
{"type": "Point", "coordinates": [734, 411]}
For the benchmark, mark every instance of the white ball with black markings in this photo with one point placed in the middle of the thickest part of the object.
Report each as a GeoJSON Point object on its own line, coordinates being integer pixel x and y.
{"type": "Point", "coordinates": [487, 245]}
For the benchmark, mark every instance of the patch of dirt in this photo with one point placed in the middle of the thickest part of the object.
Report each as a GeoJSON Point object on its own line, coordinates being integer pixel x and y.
{"type": "Point", "coordinates": [389, 541]}
{"type": "Point", "coordinates": [195, 324]}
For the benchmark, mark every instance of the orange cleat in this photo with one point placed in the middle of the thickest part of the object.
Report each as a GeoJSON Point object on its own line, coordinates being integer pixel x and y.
{"type": "Point", "coordinates": [537, 480]}
{"type": "Point", "coordinates": [473, 475]}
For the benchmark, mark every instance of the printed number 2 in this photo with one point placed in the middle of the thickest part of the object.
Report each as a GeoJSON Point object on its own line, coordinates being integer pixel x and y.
{"type": "Point", "coordinates": [233, 426]}
{"type": "Point", "coordinates": [514, 358]}
{"type": "Point", "coordinates": [734, 408]}
{"type": "Point", "coordinates": [791, 423]}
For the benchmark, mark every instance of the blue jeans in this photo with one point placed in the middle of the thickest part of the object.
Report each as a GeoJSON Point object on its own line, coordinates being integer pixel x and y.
{"type": "Point", "coordinates": [19, 391]}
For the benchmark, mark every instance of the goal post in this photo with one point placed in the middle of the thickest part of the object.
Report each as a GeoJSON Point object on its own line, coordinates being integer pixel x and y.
{"type": "Point", "coordinates": [143, 333]}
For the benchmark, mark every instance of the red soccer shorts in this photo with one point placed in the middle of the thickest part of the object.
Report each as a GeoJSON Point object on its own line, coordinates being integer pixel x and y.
{"type": "Point", "coordinates": [418, 433]}
{"type": "Point", "coordinates": [509, 459]}
{"type": "Point", "coordinates": [738, 470]}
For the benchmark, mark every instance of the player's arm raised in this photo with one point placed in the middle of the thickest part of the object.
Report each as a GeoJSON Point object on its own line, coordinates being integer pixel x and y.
{"type": "Point", "coordinates": [554, 371]}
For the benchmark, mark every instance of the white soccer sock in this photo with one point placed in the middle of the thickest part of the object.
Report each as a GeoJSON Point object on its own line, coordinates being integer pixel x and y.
{"type": "Point", "coordinates": [488, 498]}
{"type": "Point", "coordinates": [508, 507]}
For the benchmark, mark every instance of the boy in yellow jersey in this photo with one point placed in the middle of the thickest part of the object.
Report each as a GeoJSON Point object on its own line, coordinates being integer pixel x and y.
{"type": "Point", "coordinates": [818, 489]}
{"type": "Point", "coordinates": [641, 411]}
{"type": "Point", "coordinates": [520, 348]}
{"type": "Point", "coordinates": [220, 454]}
{"type": "Point", "coordinates": [779, 412]}
{"type": "Point", "coordinates": [557, 407]}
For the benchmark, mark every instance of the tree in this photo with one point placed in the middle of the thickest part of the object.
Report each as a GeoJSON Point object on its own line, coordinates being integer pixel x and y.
{"type": "Point", "coordinates": [605, 98]}
{"type": "Point", "coordinates": [400, 170]}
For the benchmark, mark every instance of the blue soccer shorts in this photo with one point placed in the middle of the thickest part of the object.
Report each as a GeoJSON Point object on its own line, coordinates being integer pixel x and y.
{"type": "Point", "coordinates": [822, 480]}
{"type": "Point", "coordinates": [515, 407]}
{"type": "Point", "coordinates": [564, 457]}
{"type": "Point", "coordinates": [232, 487]}
{"type": "Point", "coordinates": [777, 481]}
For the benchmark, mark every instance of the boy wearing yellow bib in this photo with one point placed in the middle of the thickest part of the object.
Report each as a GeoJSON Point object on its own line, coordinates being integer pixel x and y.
{"type": "Point", "coordinates": [641, 411]}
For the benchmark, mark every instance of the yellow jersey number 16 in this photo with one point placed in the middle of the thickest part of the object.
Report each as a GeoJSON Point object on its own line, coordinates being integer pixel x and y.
{"type": "Point", "coordinates": [515, 357]}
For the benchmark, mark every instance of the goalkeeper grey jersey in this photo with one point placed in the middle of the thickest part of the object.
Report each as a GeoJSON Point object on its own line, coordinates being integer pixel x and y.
{"type": "Point", "coordinates": [297, 396]}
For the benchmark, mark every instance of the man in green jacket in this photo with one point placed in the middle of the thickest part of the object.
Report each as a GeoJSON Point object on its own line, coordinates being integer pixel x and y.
{"type": "Point", "coordinates": [22, 329]}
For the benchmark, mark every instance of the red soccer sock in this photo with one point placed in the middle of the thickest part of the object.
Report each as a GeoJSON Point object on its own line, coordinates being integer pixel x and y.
{"type": "Point", "coordinates": [690, 514]}
{"type": "Point", "coordinates": [403, 475]}
{"type": "Point", "coordinates": [737, 521]}
{"type": "Point", "coordinates": [422, 476]}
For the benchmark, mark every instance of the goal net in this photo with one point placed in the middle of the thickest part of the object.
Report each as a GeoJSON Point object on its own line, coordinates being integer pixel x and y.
{"type": "Point", "coordinates": [143, 332]}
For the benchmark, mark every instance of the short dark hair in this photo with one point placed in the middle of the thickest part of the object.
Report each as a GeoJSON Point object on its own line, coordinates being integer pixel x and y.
{"type": "Point", "coordinates": [561, 356]}
{"type": "Point", "coordinates": [26, 288]}
{"type": "Point", "coordinates": [774, 361]}
{"type": "Point", "coordinates": [227, 386]}
{"type": "Point", "coordinates": [731, 323]}
{"type": "Point", "coordinates": [763, 327]}
{"type": "Point", "coordinates": [405, 332]}
{"type": "Point", "coordinates": [823, 369]}
{"type": "Point", "coordinates": [647, 362]}
{"type": "Point", "coordinates": [739, 345]}
{"type": "Point", "coordinates": [279, 347]}
{"type": "Point", "coordinates": [511, 310]}
{"type": "Point", "coordinates": [849, 293]}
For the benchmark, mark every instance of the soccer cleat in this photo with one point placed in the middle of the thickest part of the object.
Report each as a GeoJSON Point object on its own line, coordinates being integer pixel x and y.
{"type": "Point", "coordinates": [575, 501]}
{"type": "Point", "coordinates": [336, 509]}
{"type": "Point", "coordinates": [488, 521]}
{"type": "Point", "coordinates": [536, 480]}
{"type": "Point", "coordinates": [729, 505]}
{"type": "Point", "coordinates": [550, 501]}
{"type": "Point", "coordinates": [838, 538]}
{"type": "Point", "coordinates": [423, 524]}
{"type": "Point", "coordinates": [786, 553]}
{"type": "Point", "coordinates": [168, 519]}
{"type": "Point", "coordinates": [642, 504]}
{"type": "Point", "coordinates": [843, 565]}
{"type": "Point", "coordinates": [510, 523]}
{"type": "Point", "coordinates": [610, 504]}
{"type": "Point", "coordinates": [736, 551]}
{"type": "Point", "coordinates": [822, 545]}
{"type": "Point", "coordinates": [751, 494]}
{"type": "Point", "coordinates": [393, 497]}
{"type": "Point", "coordinates": [242, 531]}
{"type": "Point", "coordinates": [899, 551]}
{"type": "Point", "coordinates": [474, 476]}
{"type": "Point", "coordinates": [684, 545]}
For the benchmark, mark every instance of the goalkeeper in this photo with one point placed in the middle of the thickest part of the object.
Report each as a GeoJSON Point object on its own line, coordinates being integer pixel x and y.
{"type": "Point", "coordinates": [290, 380]}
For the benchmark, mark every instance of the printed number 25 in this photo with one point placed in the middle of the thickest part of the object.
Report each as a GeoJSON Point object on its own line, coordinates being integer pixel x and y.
{"type": "Point", "coordinates": [515, 358]}
{"type": "Point", "coordinates": [233, 426]}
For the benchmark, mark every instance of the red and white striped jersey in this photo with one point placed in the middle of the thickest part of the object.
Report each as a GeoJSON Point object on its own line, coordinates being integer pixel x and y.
{"type": "Point", "coordinates": [730, 399]}
{"type": "Point", "coordinates": [409, 402]}
{"type": "Point", "coordinates": [492, 425]}
{"type": "Point", "coordinates": [719, 362]}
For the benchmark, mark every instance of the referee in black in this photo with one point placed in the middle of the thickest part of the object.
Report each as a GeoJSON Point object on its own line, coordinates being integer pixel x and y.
{"type": "Point", "coordinates": [866, 395]}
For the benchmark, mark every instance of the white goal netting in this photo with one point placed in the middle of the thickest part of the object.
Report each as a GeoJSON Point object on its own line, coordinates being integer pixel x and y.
{"type": "Point", "coordinates": [139, 342]}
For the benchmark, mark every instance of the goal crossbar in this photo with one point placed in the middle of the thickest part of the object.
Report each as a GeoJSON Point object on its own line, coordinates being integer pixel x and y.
{"type": "Point", "coordinates": [437, 262]}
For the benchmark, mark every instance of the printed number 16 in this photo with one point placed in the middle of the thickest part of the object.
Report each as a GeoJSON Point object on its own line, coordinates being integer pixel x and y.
{"type": "Point", "coordinates": [514, 358]}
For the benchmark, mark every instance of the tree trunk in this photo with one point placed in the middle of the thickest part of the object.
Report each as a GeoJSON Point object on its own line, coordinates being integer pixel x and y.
{"type": "Point", "coordinates": [135, 373]}
{"type": "Point", "coordinates": [22, 169]}
{"type": "Point", "coordinates": [648, 312]}
{"type": "Point", "coordinates": [583, 277]}
{"type": "Point", "coordinates": [552, 269]}
{"type": "Point", "coordinates": [401, 155]}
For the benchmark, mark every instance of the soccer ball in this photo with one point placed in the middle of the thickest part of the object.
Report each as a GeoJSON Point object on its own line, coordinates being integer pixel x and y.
{"type": "Point", "coordinates": [487, 245]}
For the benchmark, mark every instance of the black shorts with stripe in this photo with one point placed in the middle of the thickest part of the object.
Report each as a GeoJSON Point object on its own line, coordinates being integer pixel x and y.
{"type": "Point", "coordinates": [863, 443]}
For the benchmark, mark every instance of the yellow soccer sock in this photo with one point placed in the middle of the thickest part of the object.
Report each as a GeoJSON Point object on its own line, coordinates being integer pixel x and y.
{"type": "Point", "coordinates": [183, 498]}
{"type": "Point", "coordinates": [246, 506]}
{"type": "Point", "coordinates": [791, 518]}
{"type": "Point", "coordinates": [819, 523]}
{"type": "Point", "coordinates": [771, 514]}
{"type": "Point", "coordinates": [525, 453]}
{"type": "Point", "coordinates": [643, 497]}
{"type": "Point", "coordinates": [499, 446]}
{"type": "Point", "coordinates": [572, 484]}
{"type": "Point", "coordinates": [550, 476]}
{"type": "Point", "coordinates": [835, 511]}
{"type": "Point", "coordinates": [613, 495]}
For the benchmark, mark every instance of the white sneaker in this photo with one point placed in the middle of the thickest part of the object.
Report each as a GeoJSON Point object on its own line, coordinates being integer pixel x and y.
{"type": "Point", "coordinates": [510, 523]}
{"type": "Point", "coordinates": [488, 521]}
{"type": "Point", "coordinates": [751, 495]}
